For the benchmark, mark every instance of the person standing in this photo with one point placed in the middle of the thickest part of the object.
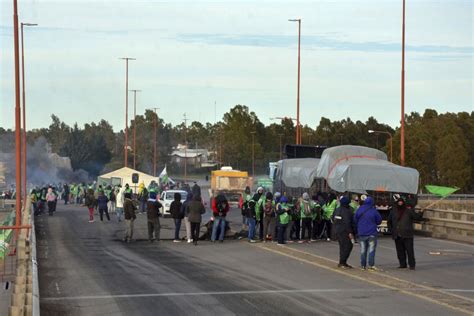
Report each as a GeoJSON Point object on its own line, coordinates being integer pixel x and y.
{"type": "Point", "coordinates": [259, 199]}
{"type": "Point", "coordinates": [90, 204]}
{"type": "Point", "coordinates": [120, 199]}
{"type": "Point", "coordinates": [243, 205]}
{"type": "Point", "coordinates": [282, 219]}
{"type": "Point", "coordinates": [66, 192]}
{"type": "Point", "coordinates": [328, 210]}
{"type": "Point", "coordinates": [102, 201]}
{"type": "Point", "coordinates": [51, 200]}
{"type": "Point", "coordinates": [251, 220]}
{"type": "Point", "coordinates": [153, 217]}
{"type": "Point", "coordinates": [306, 209]}
{"type": "Point", "coordinates": [220, 208]}
{"type": "Point", "coordinates": [196, 190]}
{"type": "Point", "coordinates": [112, 200]}
{"type": "Point", "coordinates": [344, 229]}
{"type": "Point", "coordinates": [317, 216]}
{"type": "Point", "coordinates": [177, 215]}
{"type": "Point", "coordinates": [400, 223]}
{"type": "Point", "coordinates": [194, 211]}
{"type": "Point", "coordinates": [269, 215]}
{"type": "Point", "coordinates": [366, 219]}
{"type": "Point", "coordinates": [187, 223]}
{"type": "Point", "coordinates": [143, 197]}
{"type": "Point", "coordinates": [129, 210]}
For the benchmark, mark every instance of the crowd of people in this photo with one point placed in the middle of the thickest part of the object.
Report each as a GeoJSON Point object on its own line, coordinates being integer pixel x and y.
{"type": "Point", "coordinates": [266, 216]}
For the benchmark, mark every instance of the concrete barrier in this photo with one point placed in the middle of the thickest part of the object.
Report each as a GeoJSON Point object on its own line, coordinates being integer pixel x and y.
{"type": "Point", "coordinates": [452, 220]}
{"type": "Point", "coordinates": [25, 296]}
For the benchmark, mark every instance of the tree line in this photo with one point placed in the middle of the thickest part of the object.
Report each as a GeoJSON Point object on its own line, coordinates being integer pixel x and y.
{"type": "Point", "coordinates": [439, 146]}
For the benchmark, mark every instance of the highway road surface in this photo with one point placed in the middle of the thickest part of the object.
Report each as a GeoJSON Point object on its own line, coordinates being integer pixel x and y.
{"type": "Point", "coordinates": [85, 269]}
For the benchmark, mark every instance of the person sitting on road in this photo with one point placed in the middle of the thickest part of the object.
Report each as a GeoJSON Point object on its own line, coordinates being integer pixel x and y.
{"type": "Point", "coordinates": [220, 208]}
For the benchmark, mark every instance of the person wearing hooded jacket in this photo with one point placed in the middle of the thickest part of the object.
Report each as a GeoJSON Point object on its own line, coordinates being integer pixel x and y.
{"type": "Point", "coordinates": [344, 228]}
{"type": "Point", "coordinates": [282, 218]}
{"type": "Point", "coordinates": [153, 217]}
{"type": "Point", "coordinates": [306, 207]}
{"type": "Point", "coordinates": [220, 208]}
{"type": "Point", "coordinates": [177, 215]}
{"type": "Point", "coordinates": [259, 199]}
{"type": "Point", "coordinates": [400, 223]}
{"type": "Point", "coordinates": [328, 210]}
{"type": "Point", "coordinates": [243, 205]}
{"type": "Point", "coordinates": [366, 219]}
{"type": "Point", "coordinates": [269, 216]}
{"type": "Point", "coordinates": [187, 223]}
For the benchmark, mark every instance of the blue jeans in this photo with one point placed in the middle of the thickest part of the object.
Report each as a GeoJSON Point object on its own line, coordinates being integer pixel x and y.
{"type": "Point", "coordinates": [177, 227]}
{"type": "Point", "coordinates": [251, 222]}
{"type": "Point", "coordinates": [367, 249]}
{"type": "Point", "coordinates": [218, 222]}
{"type": "Point", "coordinates": [119, 213]}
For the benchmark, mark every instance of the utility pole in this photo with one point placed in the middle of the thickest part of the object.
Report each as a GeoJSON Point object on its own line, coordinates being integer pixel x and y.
{"type": "Point", "coordinates": [402, 128]}
{"type": "Point", "coordinates": [24, 142]}
{"type": "Point", "coordinates": [135, 127]}
{"type": "Point", "coordinates": [125, 146]}
{"type": "Point", "coordinates": [155, 123]}
{"type": "Point", "coordinates": [185, 150]}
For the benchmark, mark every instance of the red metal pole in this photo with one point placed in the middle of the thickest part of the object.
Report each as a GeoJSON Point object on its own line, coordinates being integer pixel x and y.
{"type": "Point", "coordinates": [402, 129]}
{"type": "Point", "coordinates": [24, 112]}
{"type": "Point", "coordinates": [298, 127]}
{"type": "Point", "coordinates": [154, 143]}
{"type": "Point", "coordinates": [17, 115]}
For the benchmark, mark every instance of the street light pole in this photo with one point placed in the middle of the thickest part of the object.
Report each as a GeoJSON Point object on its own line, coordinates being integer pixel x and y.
{"type": "Point", "coordinates": [125, 146]}
{"type": "Point", "coordinates": [135, 127]}
{"type": "Point", "coordinates": [17, 115]}
{"type": "Point", "coordinates": [402, 129]}
{"type": "Point", "coordinates": [298, 128]}
{"type": "Point", "coordinates": [24, 142]}
{"type": "Point", "coordinates": [391, 140]}
{"type": "Point", "coordinates": [253, 153]}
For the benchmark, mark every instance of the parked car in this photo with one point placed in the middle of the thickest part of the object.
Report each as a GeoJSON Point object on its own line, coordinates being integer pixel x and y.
{"type": "Point", "coordinates": [167, 197]}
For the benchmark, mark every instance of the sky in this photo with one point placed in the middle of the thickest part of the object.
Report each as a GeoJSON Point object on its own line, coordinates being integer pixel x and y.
{"type": "Point", "coordinates": [204, 57]}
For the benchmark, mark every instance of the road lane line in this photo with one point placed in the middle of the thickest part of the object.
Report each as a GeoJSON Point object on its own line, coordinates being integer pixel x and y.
{"type": "Point", "coordinates": [410, 286]}
{"type": "Point", "coordinates": [283, 291]}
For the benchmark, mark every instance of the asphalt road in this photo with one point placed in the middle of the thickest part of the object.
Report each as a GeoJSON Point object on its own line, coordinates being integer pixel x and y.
{"type": "Point", "coordinates": [86, 270]}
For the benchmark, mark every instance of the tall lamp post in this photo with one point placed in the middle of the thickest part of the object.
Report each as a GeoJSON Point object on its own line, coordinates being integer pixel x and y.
{"type": "Point", "coordinates": [390, 137]}
{"type": "Point", "coordinates": [125, 146]}
{"type": "Point", "coordinates": [24, 106]}
{"type": "Point", "coordinates": [402, 128]}
{"type": "Point", "coordinates": [253, 153]}
{"type": "Point", "coordinates": [135, 127]}
{"type": "Point", "coordinates": [298, 128]}
{"type": "Point", "coordinates": [17, 116]}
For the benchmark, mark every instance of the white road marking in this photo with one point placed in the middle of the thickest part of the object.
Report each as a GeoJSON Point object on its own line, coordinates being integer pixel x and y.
{"type": "Point", "coordinates": [57, 288]}
{"type": "Point", "coordinates": [97, 297]}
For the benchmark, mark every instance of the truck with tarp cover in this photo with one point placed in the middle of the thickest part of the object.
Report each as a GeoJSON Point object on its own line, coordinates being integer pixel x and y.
{"type": "Point", "coordinates": [363, 170]}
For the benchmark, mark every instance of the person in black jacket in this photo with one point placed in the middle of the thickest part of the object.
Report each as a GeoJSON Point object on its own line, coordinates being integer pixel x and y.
{"type": "Point", "coordinates": [177, 214]}
{"type": "Point", "coordinates": [344, 228]}
{"type": "Point", "coordinates": [400, 223]}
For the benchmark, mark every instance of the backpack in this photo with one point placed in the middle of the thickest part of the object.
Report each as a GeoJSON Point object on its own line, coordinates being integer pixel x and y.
{"type": "Point", "coordinates": [307, 209]}
{"type": "Point", "coordinates": [268, 208]}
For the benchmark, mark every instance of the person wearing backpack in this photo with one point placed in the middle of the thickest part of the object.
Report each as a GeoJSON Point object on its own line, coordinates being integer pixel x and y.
{"type": "Point", "coordinates": [269, 219]}
{"type": "Point", "coordinates": [243, 205]}
{"type": "Point", "coordinates": [282, 219]}
{"type": "Point", "coordinates": [259, 199]}
{"type": "Point", "coordinates": [366, 219]}
{"type": "Point", "coordinates": [306, 209]}
{"type": "Point", "coordinates": [220, 208]}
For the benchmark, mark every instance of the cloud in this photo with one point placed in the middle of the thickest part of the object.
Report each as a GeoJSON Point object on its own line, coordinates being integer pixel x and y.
{"type": "Point", "coordinates": [319, 42]}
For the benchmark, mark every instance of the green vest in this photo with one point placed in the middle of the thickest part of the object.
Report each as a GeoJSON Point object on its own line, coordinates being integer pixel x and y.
{"type": "Point", "coordinates": [284, 218]}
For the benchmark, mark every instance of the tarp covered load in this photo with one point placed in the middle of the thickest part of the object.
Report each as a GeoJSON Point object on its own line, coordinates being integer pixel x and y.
{"type": "Point", "coordinates": [298, 173]}
{"type": "Point", "coordinates": [358, 169]}
{"type": "Point", "coordinates": [124, 175]}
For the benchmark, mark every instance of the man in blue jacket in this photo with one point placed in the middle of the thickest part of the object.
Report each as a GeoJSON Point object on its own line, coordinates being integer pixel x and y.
{"type": "Point", "coordinates": [367, 218]}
